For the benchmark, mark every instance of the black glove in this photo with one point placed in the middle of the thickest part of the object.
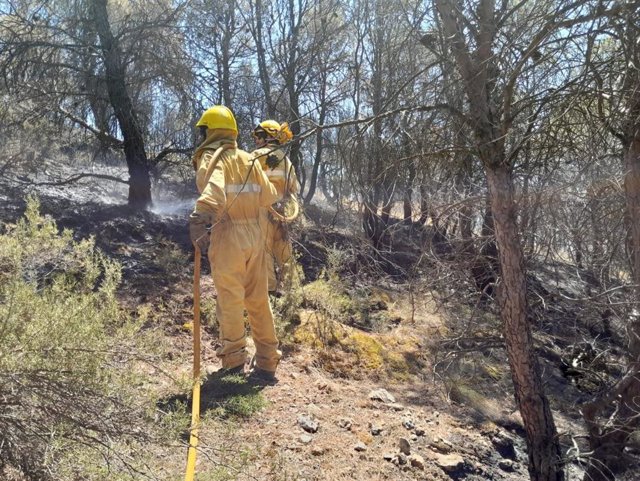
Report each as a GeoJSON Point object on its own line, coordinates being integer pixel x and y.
{"type": "Point", "coordinates": [273, 161]}
{"type": "Point", "coordinates": [199, 224]}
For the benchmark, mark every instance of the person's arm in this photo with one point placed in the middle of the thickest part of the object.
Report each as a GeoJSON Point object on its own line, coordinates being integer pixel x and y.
{"type": "Point", "coordinates": [261, 156]}
{"type": "Point", "coordinates": [213, 197]}
{"type": "Point", "coordinates": [268, 192]}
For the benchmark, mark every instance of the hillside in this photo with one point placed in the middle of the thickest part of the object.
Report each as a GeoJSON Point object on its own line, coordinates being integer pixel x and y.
{"type": "Point", "coordinates": [386, 375]}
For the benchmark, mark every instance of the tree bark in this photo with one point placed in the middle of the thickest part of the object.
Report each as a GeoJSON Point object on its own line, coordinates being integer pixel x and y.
{"type": "Point", "coordinates": [134, 149]}
{"type": "Point", "coordinates": [544, 451]}
{"type": "Point", "coordinates": [371, 221]}
{"type": "Point", "coordinates": [480, 74]}
{"type": "Point", "coordinates": [261, 55]}
{"type": "Point", "coordinates": [425, 211]}
{"type": "Point", "coordinates": [313, 181]}
{"type": "Point", "coordinates": [407, 198]}
{"type": "Point", "coordinates": [632, 196]}
{"type": "Point", "coordinates": [227, 35]}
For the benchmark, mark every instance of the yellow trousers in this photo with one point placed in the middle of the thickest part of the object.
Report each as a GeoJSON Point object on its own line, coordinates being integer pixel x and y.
{"type": "Point", "coordinates": [279, 253]}
{"type": "Point", "coordinates": [238, 265]}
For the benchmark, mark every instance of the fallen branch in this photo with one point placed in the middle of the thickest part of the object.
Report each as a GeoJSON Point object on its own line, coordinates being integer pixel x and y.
{"type": "Point", "coordinates": [76, 178]}
{"type": "Point", "coordinates": [101, 135]}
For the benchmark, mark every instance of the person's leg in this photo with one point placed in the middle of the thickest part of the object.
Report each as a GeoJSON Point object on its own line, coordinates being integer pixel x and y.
{"type": "Point", "coordinates": [282, 252]}
{"type": "Point", "coordinates": [228, 267]}
{"type": "Point", "coordinates": [259, 312]}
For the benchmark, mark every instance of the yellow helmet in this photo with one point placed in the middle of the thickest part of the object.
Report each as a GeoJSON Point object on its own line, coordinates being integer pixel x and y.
{"type": "Point", "coordinates": [281, 133]}
{"type": "Point", "coordinates": [218, 117]}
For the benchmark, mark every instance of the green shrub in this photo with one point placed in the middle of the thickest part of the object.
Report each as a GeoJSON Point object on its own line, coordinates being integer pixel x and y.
{"type": "Point", "coordinates": [336, 300]}
{"type": "Point", "coordinates": [66, 352]}
{"type": "Point", "coordinates": [170, 259]}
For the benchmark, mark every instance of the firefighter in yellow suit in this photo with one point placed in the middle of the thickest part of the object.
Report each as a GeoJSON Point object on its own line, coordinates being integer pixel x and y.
{"type": "Point", "coordinates": [233, 190]}
{"type": "Point", "coordinates": [269, 135]}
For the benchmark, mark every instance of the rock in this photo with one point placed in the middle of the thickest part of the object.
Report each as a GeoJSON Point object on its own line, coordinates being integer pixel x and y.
{"type": "Point", "coordinates": [416, 461]}
{"type": "Point", "coordinates": [313, 409]}
{"type": "Point", "coordinates": [420, 432]}
{"type": "Point", "coordinates": [404, 445]}
{"type": "Point", "coordinates": [504, 445]}
{"type": "Point", "coordinates": [441, 445]}
{"type": "Point", "coordinates": [507, 465]}
{"type": "Point", "coordinates": [308, 424]}
{"type": "Point", "coordinates": [345, 423]}
{"type": "Point", "coordinates": [375, 429]}
{"type": "Point", "coordinates": [364, 436]}
{"type": "Point", "coordinates": [326, 386]}
{"type": "Point", "coordinates": [305, 439]}
{"type": "Point", "coordinates": [381, 395]}
{"type": "Point", "coordinates": [408, 424]}
{"type": "Point", "coordinates": [317, 451]}
{"type": "Point", "coordinates": [449, 462]}
{"type": "Point", "coordinates": [388, 456]}
{"type": "Point", "coordinates": [396, 407]}
{"type": "Point", "coordinates": [399, 459]}
{"type": "Point", "coordinates": [360, 446]}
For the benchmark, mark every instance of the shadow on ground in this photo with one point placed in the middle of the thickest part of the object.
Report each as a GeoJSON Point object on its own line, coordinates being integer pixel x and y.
{"type": "Point", "coordinates": [221, 395]}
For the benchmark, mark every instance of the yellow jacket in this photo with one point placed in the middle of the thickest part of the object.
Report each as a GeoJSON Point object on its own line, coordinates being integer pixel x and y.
{"type": "Point", "coordinates": [237, 187]}
{"type": "Point", "coordinates": [283, 175]}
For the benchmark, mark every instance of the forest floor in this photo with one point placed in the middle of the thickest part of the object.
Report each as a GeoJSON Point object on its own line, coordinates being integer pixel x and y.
{"type": "Point", "coordinates": [376, 382]}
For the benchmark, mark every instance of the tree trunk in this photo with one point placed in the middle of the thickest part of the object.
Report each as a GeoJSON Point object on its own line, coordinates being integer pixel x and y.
{"type": "Point", "coordinates": [294, 123]}
{"type": "Point", "coordinates": [632, 195]}
{"type": "Point", "coordinates": [313, 181]}
{"type": "Point", "coordinates": [463, 185]}
{"type": "Point", "coordinates": [227, 34]}
{"type": "Point", "coordinates": [484, 266]}
{"type": "Point", "coordinates": [544, 450]}
{"type": "Point", "coordinates": [406, 207]}
{"type": "Point", "coordinates": [134, 150]}
{"type": "Point", "coordinates": [371, 220]}
{"type": "Point", "coordinates": [480, 73]}
{"type": "Point", "coordinates": [424, 205]}
{"type": "Point", "coordinates": [609, 438]}
{"type": "Point", "coordinates": [385, 221]}
{"type": "Point", "coordinates": [261, 55]}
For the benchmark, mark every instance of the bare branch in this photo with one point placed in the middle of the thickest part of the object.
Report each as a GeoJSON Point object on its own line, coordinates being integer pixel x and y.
{"type": "Point", "coordinates": [75, 178]}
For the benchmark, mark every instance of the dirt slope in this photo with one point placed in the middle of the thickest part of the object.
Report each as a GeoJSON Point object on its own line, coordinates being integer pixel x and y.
{"type": "Point", "coordinates": [327, 418]}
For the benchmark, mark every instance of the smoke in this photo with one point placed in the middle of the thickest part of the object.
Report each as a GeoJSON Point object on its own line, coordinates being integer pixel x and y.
{"type": "Point", "coordinates": [172, 206]}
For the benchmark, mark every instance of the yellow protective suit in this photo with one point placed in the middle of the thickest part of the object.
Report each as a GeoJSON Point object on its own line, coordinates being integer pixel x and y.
{"type": "Point", "coordinates": [278, 244]}
{"type": "Point", "coordinates": [234, 195]}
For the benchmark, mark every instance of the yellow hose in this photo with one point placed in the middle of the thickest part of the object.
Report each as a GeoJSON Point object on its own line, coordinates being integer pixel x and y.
{"type": "Point", "coordinates": [195, 398]}
{"type": "Point", "coordinates": [290, 218]}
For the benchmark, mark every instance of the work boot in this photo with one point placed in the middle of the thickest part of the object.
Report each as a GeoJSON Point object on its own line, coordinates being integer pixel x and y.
{"type": "Point", "coordinates": [262, 377]}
